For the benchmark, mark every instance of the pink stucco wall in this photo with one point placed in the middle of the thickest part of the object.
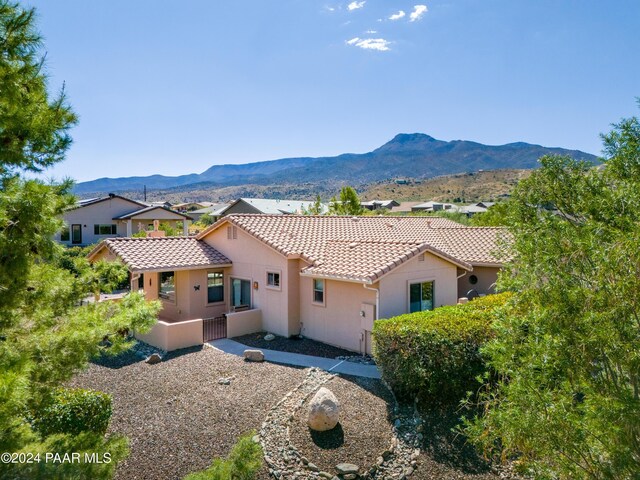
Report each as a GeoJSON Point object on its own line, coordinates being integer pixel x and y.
{"type": "Point", "coordinates": [394, 287]}
{"type": "Point", "coordinates": [251, 261]}
{"type": "Point", "coordinates": [486, 276]}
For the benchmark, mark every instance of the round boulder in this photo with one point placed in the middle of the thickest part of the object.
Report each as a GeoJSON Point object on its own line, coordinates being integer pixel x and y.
{"type": "Point", "coordinates": [324, 410]}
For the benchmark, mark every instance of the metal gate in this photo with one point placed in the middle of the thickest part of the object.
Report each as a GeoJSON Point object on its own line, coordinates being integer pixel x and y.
{"type": "Point", "coordinates": [214, 328]}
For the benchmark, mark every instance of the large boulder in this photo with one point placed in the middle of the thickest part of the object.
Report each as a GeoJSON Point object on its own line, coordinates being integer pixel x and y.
{"type": "Point", "coordinates": [254, 355]}
{"type": "Point", "coordinates": [324, 410]}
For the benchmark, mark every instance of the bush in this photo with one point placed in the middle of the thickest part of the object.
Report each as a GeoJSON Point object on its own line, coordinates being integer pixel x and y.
{"type": "Point", "coordinates": [243, 462]}
{"type": "Point", "coordinates": [72, 411]}
{"type": "Point", "coordinates": [434, 356]}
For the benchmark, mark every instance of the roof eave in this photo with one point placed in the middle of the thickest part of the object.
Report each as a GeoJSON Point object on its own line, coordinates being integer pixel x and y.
{"type": "Point", "coordinates": [178, 269]}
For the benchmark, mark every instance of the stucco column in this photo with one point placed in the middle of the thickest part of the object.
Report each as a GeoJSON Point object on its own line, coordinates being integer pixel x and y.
{"type": "Point", "coordinates": [185, 227]}
{"type": "Point", "coordinates": [129, 228]}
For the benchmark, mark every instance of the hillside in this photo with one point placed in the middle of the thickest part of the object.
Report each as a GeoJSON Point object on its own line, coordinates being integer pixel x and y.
{"type": "Point", "coordinates": [406, 155]}
{"type": "Point", "coordinates": [465, 187]}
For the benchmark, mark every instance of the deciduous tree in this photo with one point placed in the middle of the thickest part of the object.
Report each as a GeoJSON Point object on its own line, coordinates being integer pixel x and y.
{"type": "Point", "coordinates": [566, 402]}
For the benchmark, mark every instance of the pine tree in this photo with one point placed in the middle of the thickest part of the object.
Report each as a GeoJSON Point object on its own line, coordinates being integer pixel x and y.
{"type": "Point", "coordinates": [45, 337]}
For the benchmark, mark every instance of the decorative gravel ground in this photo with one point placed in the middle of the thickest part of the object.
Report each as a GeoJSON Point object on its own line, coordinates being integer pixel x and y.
{"type": "Point", "coordinates": [293, 345]}
{"type": "Point", "coordinates": [175, 413]}
{"type": "Point", "coordinates": [447, 455]}
{"type": "Point", "coordinates": [364, 431]}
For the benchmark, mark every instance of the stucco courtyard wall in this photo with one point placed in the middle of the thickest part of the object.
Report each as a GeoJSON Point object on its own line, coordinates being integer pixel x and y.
{"type": "Point", "coordinates": [173, 336]}
{"type": "Point", "coordinates": [242, 323]}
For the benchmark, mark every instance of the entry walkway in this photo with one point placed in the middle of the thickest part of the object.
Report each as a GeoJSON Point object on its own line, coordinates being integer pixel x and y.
{"type": "Point", "coordinates": [330, 365]}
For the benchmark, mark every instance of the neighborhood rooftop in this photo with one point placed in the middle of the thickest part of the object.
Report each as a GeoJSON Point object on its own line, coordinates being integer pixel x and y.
{"type": "Point", "coordinates": [163, 253]}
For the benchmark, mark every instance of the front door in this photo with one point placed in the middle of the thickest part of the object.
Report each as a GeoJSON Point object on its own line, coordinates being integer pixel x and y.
{"type": "Point", "coordinates": [76, 234]}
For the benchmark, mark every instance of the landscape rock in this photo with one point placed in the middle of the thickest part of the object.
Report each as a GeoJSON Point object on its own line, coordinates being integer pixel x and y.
{"type": "Point", "coordinates": [153, 359]}
{"type": "Point", "coordinates": [324, 410]}
{"type": "Point", "coordinates": [269, 337]}
{"type": "Point", "coordinates": [347, 468]}
{"type": "Point", "coordinates": [254, 355]}
{"type": "Point", "coordinates": [224, 381]}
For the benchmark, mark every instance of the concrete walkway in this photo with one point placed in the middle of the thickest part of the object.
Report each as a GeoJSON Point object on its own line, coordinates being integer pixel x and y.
{"type": "Point", "coordinates": [330, 365]}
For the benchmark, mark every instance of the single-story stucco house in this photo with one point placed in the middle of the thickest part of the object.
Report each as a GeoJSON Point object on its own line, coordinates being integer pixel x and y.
{"type": "Point", "coordinates": [95, 219]}
{"type": "Point", "coordinates": [325, 277]}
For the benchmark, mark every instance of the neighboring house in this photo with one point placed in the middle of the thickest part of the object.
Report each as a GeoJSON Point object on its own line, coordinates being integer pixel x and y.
{"type": "Point", "coordinates": [404, 207]}
{"type": "Point", "coordinates": [271, 206]}
{"type": "Point", "coordinates": [325, 277]}
{"type": "Point", "coordinates": [377, 204]}
{"type": "Point", "coordinates": [215, 211]}
{"type": "Point", "coordinates": [190, 206]}
{"type": "Point", "coordinates": [95, 219]}
{"type": "Point", "coordinates": [432, 206]}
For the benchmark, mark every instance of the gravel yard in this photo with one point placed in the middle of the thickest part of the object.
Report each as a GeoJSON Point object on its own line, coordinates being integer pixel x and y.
{"type": "Point", "coordinates": [304, 346]}
{"type": "Point", "coordinates": [363, 433]}
{"type": "Point", "coordinates": [175, 413]}
{"type": "Point", "coordinates": [178, 417]}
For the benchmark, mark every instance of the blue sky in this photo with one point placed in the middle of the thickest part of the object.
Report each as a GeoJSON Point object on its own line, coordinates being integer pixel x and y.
{"type": "Point", "coordinates": [173, 87]}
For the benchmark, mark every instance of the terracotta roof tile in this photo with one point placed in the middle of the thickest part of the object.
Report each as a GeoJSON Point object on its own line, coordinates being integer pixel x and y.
{"type": "Point", "coordinates": [363, 248]}
{"type": "Point", "coordinates": [163, 253]}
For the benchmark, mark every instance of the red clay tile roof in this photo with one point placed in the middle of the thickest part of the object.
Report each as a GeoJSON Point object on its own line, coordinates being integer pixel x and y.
{"type": "Point", "coordinates": [163, 253]}
{"type": "Point", "coordinates": [367, 261]}
{"type": "Point", "coordinates": [377, 243]}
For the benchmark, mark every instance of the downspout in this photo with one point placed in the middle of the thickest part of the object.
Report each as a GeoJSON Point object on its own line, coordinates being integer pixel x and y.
{"type": "Point", "coordinates": [458, 278]}
{"type": "Point", "coordinates": [364, 351]}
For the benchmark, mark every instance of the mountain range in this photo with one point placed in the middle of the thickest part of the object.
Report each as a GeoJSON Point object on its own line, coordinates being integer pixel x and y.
{"type": "Point", "coordinates": [415, 155]}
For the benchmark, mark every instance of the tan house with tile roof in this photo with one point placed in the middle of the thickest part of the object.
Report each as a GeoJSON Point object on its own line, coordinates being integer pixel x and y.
{"type": "Point", "coordinates": [325, 277]}
{"type": "Point", "coordinates": [93, 220]}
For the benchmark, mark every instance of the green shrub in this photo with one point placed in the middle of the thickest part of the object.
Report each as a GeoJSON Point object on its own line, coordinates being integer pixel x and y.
{"type": "Point", "coordinates": [434, 356]}
{"type": "Point", "coordinates": [72, 411]}
{"type": "Point", "coordinates": [243, 462]}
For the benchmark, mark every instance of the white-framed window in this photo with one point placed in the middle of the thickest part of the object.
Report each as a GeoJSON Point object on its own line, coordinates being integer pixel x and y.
{"type": "Point", "coordinates": [421, 296]}
{"type": "Point", "coordinates": [273, 280]}
{"type": "Point", "coordinates": [215, 287]}
{"type": "Point", "coordinates": [107, 229]}
{"type": "Point", "coordinates": [167, 286]}
{"type": "Point", "coordinates": [318, 291]}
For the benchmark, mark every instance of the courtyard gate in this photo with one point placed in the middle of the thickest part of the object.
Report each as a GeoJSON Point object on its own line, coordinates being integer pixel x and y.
{"type": "Point", "coordinates": [214, 328]}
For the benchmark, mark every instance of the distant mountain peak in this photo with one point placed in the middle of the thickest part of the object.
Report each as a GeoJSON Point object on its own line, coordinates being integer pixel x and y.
{"type": "Point", "coordinates": [414, 155]}
{"type": "Point", "coordinates": [412, 137]}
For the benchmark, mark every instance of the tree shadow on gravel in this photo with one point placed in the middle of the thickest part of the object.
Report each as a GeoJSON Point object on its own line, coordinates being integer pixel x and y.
{"type": "Point", "coordinates": [329, 439]}
{"type": "Point", "coordinates": [447, 446]}
{"type": "Point", "coordinates": [130, 357]}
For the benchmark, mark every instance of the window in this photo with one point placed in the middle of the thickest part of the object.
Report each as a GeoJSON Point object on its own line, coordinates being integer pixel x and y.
{"type": "Point", "coordinates": [240, 292]}
{"type": "Point", "coordinates": [65, 236]}
{"type": "Point", "coordinates": [141, 282]}
{"type": "Point", "coordinates": [215, 287]}
{"type": "Point", "coordinates": [318, 290]}
{"type": "Point", "coordinates": [105, 229]}
{"type": "Point", "coordinates": [232, 232]}
{"type": "Point", "coordinates": [420, 296]}
{"type": "Point", "coordinates": [273, 280]}
{"type": "Point", "coordinates": [167, 286]}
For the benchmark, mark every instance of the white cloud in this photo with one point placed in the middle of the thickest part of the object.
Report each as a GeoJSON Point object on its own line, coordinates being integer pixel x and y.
{"type": "Point", "coordinates": [397, 16]}
{"type": "Point", "coordinates": [329, 9]}
{"type": "Point", "coordinates": [379, 44]}
{"type": "Point", "coordinates": [370, 32]}
{"type": "Point", "coordinates": [418, 12]}
{"type": "Point", "coordinates": [356, 5]}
